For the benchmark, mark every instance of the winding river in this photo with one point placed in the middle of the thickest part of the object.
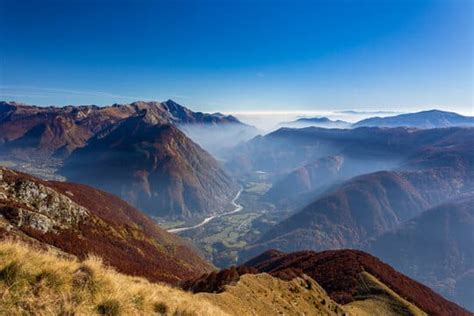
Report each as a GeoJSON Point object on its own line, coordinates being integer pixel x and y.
{"type": "Point", "coordinates": [238, 208]}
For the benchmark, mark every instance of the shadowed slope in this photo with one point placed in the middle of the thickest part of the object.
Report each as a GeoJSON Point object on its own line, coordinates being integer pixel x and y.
{"type": "Point", "coordinates": [153, 166]}
{"type": "Point", "coordinates": [371, 204]}
{"type": "Point", "coordinates": [436, 248]}
{"type": "Point", "coordinates": [361, 208]}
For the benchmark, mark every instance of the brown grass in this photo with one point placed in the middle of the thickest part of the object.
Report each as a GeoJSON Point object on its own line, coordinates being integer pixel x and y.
{"type": "Point", "coordinates": [42, 283]}
{"type": "Point", "coordinates": [262, 294]}
{"type": "Point", "coordinates": [375, 298]}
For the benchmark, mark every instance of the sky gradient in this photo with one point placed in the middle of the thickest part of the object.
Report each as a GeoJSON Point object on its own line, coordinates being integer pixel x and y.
{"type": "Point", "coordinates": [240, 55]}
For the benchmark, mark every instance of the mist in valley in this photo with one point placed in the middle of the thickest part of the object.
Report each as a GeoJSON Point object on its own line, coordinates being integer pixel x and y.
{"type": "Point", "coordinates": [219, 140]}
{"type": "Point", "coordinates": [273, 120]}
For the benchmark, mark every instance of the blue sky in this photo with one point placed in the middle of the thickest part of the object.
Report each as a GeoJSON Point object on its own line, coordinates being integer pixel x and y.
{"type": "Point", "coordinates": [240, 55]}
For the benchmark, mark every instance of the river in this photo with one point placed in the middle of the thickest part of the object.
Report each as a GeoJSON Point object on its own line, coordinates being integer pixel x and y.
{"type": "Point", "coordinates": [238, 208]}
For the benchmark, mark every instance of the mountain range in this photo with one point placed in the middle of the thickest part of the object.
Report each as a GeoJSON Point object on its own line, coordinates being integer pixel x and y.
{"type": "Point", "coordinates": [364, 207]}
{"type": "Point", "coordinates": [60, 130]}
{"type": "Point", "coordinates": [363, 150]}
{"type": "Point", "coordinates": [137, 151]}
{"type": "Point", "coordinates": [423, 119]}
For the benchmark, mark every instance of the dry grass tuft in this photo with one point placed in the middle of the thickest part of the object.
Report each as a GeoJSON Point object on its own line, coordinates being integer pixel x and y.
{"type": "Point", "coordinates": [42, 283]}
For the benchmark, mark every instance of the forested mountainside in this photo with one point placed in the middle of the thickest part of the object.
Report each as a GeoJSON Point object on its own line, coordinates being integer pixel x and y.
{"type": "Point", "coordinates": [81, 220]}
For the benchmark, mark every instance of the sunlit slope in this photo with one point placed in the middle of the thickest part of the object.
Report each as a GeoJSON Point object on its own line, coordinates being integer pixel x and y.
{"type": "Point", "coordinates": [40, 283]}
{"type": "Point", "coordinates": [52, 283]}
{"type": "Point", "coordinates": [262, 294]}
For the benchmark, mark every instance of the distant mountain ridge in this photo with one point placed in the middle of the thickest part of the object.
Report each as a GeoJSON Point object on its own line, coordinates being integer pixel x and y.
{"type": "Point", "coordinates": [60, 130]}
{"type": "Point", "coordinates": [287, 149]}
{"type": "Point", "coordinates": [183, 115]}
{"type": "Point", "coordinates": [312, 176]}
{"type": "Point", "coordinates": [318, 122]}
{"type": "Point", "coordinates": [424, 119]}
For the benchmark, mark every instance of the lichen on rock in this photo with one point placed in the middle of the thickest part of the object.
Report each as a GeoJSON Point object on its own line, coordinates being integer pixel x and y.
{"type": "Point", "coordinates": [32, 204]}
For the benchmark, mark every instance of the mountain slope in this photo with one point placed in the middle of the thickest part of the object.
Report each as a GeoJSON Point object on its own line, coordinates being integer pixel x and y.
{"type": "Point", "coordinates": [437, 164]}
{"type": "Point", "coordinates": [370, 205]}
{"type": "Point", "coordinates": [436, 248]}
{"type": "Point", "coordinates": [351, 276]}
{"type": "Point", "coordinates": [312, 176]}
{"type": "Point", "coordinates": [262, 294]}
{"type": "Point", "coordinates": [363, 207]}
{"type": "Point", "coordinates": [153, 166]}
{"type": "Point", "coordinates": [35, 282]}
{"type": "Point", "coordinates": [81, 220]}
{"type": "Point", "coordinates": [424, 119]}
{"type": "Point", "coordinates": [48, 283]}
{"type": "Point", "coordinates": [341, 282]}
{"type": "Point", "coordinates": [364, 149]}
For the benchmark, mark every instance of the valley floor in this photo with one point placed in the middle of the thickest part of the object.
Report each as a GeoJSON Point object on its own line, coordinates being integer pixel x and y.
{"type": "Point", "coordinates": [221, 237]}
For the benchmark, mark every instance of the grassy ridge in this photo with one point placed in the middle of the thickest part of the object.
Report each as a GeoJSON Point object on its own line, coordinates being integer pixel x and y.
{"type": "Point", "coordinates": [44, 283]}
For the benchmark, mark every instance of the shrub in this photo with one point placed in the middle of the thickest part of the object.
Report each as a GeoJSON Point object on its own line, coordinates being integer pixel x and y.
{"type": "Point", "coordinates": [83, 280]}
{"type": "Point", "coordinates": [160, 308]}
{"type": "Point", "coordinates": [50, 279]}
{"type": "Point", "coordinates": [109, 307]}
{"type": "Point", "coordinates": [138, 301]}
{"type": "Point", "coordinates": [10, 273]}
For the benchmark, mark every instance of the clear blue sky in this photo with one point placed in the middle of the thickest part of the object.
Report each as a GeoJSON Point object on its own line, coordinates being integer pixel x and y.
{"type": "Point", "coordinates": [240, 55]}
